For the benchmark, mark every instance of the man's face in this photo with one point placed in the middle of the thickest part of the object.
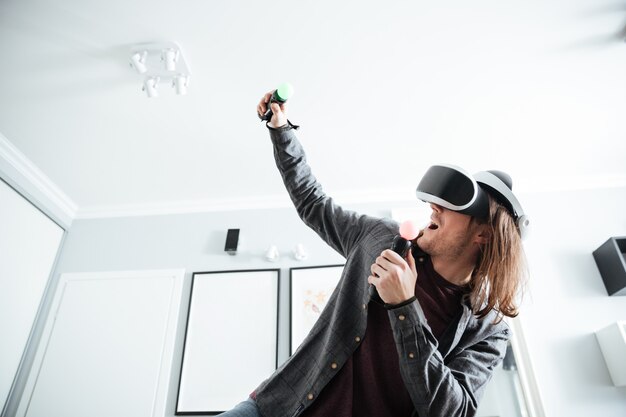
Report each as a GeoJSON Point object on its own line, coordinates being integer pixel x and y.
{"type": "Point", "coordinates": [448, 235]}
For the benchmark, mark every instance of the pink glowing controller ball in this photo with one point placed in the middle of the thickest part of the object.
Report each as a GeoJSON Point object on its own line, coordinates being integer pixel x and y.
{"type": "Point", "coordinates": [409, 230]}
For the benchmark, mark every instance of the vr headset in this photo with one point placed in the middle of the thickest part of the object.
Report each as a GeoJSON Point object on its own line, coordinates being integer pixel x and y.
{"type": "Point", "coordinates": [455, 189]}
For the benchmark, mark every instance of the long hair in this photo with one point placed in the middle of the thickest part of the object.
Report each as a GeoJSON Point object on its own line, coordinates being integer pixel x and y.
{"type": "Point", "coordinates": [501, 270]}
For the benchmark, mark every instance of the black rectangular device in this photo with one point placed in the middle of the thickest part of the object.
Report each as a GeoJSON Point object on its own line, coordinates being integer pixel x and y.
{"type": "Point", "coordinates": [232, 239]}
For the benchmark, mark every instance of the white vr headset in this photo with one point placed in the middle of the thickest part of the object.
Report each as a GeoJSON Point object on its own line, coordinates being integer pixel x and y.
{"type": "Point", "coordinates": [455, 189]}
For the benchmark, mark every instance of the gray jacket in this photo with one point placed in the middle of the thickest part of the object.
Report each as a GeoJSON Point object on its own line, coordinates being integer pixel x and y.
{"type": "Point", "coordinates": [443, 379]}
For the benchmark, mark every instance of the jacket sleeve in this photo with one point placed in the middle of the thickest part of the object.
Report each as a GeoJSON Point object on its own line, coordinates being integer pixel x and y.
{"type": "Point", "coordinates": [340, 228]}
{"type": "Point", "coordinates": [441, 388]}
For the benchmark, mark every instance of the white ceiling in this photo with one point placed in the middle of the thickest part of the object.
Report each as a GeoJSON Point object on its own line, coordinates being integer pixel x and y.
{"type": "Point", "coordinates": [382, 91]}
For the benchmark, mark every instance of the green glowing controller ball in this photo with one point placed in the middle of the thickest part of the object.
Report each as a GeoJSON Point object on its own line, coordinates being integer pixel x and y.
{"type": "Point", "coordinates": [280, 95]}
{"type": "Point", "coordinates": [283, 92]}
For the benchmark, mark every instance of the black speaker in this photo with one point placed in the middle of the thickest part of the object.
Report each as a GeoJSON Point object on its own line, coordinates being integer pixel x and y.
{"type": "Point", "coordinates": [611, 260]}
{"type": "Point", "coordinates": [232, 239]}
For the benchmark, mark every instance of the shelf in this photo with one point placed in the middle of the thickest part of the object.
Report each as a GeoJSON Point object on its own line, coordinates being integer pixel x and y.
{"type": "Point", "coordinates": [611, 260]}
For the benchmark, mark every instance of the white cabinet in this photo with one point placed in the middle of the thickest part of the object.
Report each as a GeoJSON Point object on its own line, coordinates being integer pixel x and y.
{"type": "Point", "coordinates": [107, 346]}
{"type": "Point", "coordinates": [612, 340]}
{"type": "Point", "coordinates": [29, 242]}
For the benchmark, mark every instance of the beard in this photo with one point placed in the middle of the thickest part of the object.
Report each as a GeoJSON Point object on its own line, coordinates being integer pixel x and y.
{"type": "Point", "coordinates": [449, 246]}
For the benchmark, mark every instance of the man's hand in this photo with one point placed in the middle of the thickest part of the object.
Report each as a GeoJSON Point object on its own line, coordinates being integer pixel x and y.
{"type": "Point", "coordinates": [393, 277]}
{"type": "Point", "coordinates": [279, 118]}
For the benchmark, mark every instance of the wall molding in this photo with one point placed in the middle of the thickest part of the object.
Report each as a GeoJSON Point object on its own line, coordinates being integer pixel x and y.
{"type": "Point", "coordinates": [526, 370]}
{"type": "Point", "coordinates": [32, 178]}
{"type": "Point", "coordinates": [398, 197]}
{"type": "Point", "coordinates": [35, 179]}
{"type": "Point", "coordinates": [159, 208]}
{"type": "Point", "coordinates": [234, 204]}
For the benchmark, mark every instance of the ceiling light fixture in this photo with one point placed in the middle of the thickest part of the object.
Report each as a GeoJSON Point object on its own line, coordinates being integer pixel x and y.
{"type": "Point", "coordinates": [300, 253]}
{"type": "Point", "coordinates": [180, 84]}
{"type": "Point", "coordinates": [150, 86]}
{"type": "Point", "coordinates": [147, 59]}
{"type": "Point", "coordinates": [138, 61]}
{"type": "Point", "coordinates": [272, 254]}
{"type": "Point", "coordinates": [170, 56]}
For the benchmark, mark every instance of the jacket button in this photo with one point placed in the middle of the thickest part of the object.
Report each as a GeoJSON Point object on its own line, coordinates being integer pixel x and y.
{"type": "Point", "coordinates": [401, 317]}
{"type": "Point", "coordinates": [364, 306]}
{"type": "Point", "coordinates": [357, 339]}
{"type": "Point", "coordinates": [309, 397]}
{"type": "Point", "coordinates": [411, 355]}
{"type": "Point", "coordinates": [333, 365]}
{"type": "Point", "coordinates": [421, 259]}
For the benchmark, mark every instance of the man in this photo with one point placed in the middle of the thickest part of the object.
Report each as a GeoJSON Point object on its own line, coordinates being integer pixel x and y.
{"type": "Point", "coordinates": [418, 336]}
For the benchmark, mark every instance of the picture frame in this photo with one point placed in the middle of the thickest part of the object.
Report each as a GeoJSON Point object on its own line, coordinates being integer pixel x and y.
{"type": "Point", "coordinates": [231, 339]}
{"type": "Point", "coordinates": [310, 289]}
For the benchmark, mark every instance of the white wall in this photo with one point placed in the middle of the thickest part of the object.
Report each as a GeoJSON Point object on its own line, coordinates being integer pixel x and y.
{"type": "Point", "coordinates": [566, 303]}
{"type": "Point", "coordinates": [194, 242]}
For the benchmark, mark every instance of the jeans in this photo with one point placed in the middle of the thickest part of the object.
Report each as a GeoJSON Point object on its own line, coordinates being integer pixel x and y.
{"type": "Point", "coordinates": [245, 408]}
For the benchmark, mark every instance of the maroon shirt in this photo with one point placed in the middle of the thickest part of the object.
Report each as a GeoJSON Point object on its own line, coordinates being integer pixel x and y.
{"type": "Point", "coordinates": [370, 384]}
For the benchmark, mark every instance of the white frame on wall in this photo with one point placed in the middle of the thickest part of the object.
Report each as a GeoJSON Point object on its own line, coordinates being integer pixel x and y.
{"type": "Point", "coordinates": [231, 339]}
{"type": "Point", "coordinates": [309, 291]}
